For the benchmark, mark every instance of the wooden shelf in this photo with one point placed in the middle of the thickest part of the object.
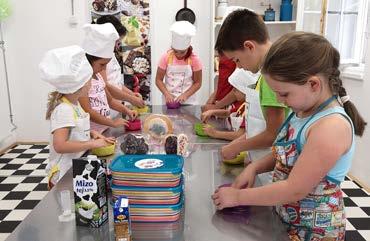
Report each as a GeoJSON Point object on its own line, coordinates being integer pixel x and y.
{"type": "Point", "coordinates": [279, 22]}
{"type": "Point", "coordinates": [218, 23]}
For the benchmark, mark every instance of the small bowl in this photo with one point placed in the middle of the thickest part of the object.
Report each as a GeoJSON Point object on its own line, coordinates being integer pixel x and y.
{"type": "Point", "coordinates": [239, 159]}
{"type": "Point", "coordinates": [104, 151]}
{"type": "Point", "coordinates": [173, 105]}
{"type": "Point", "coordinates": [198, 127]}
{"type": "Point", "coordinates": [134, 125]}
{"type": "Point", "coordinates": [143, 110]}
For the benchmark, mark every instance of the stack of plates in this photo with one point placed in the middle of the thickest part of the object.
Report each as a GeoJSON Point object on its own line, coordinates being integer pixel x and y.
{"type": "Point", "coordinates": [149, 196]}
{"type": "Point", "coordinates": [153, 185]}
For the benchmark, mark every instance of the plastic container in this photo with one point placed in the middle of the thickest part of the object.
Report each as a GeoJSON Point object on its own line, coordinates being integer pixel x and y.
{"type": "Point", "coordinates": [221, 9]}
{"type": "Point", "coordinates": [239, 159]}
{"type": "Point", "coordinates": [156, 213]}
{"type": "Point", "coordinates": [134, 125]}
{"type": "Point", "coordinates": [286, 10]}
{"type": "Point", "coordinates": [173, 105]}
{"type": "Point", "coordinates": [149, 195]}
{"type": "Point", "coordinates": [104, 151]}
{"type": "Point", "coordinates": [147, 170]}
{"type": "Point", "coordinates": [143, 110]}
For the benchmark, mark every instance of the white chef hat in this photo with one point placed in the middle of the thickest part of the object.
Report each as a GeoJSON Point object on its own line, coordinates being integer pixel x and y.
{"type": "Point", "coordinates": [241, 79]}
{"type": "Point", "coordinates": [100, 39]}
{"type": "Point", "coordinates": [67, 69]}
{"type": "Point", "coordinates": [182, 31]}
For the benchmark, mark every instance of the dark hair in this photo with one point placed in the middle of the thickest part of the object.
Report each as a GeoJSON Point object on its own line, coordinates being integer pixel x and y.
{"type": "Point", "coordinates": [297, 56]}
{"type": "Point", "coordinates": [92, 58]}
{"type": "Point", "coordinates": [189, 52]}
{"type": "Point", "coordinates": [116, 23]}
{"type": "Point", "coordinates": [238, 27]}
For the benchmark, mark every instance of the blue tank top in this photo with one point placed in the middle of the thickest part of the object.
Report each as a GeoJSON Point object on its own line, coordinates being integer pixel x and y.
{"type": "Point", "coordinates": [343, 165]}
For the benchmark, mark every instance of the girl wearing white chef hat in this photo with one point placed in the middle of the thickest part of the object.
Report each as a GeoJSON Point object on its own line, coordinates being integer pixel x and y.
{"type": "Point", "coordinates": [113, 72]}
{"type": "Point", "coordinates": [68, 70]}
{"type": "Point", "coordinates": [235, 114]}
{"type": "Point", "coordinates": [99, 43]}
{"type": "Point", "coordinates": [179, 73]}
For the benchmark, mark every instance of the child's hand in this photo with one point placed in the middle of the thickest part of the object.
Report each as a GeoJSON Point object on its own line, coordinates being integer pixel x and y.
{"type": "Point", "coordinates": [98, 143]}
{"type": "Point", "coordinates": [110, 140]}
{"type": "Point", "coordinates": [182, 98]}
{"type": "Point", "coordinates": [137, 101]}
{"type": "Point", "coordinates": [169, 98]}
{"type": "Point", "coordinates": [209, 130]}
{"type": "Point", "coordinates": [227, 152]}
{"type": "Point", "coordinates": [225, 197]}
{"type": "Point", "coordinates": [246, 178]}
{"type": "Point", "coordinates": [119, 122]}
{"type": "Point", "coordinates": [96, 135]}
{"type": "Point", "coordinates": [208, 107]}
{"type": "Point", "coordinates": [132, 114]}
{"type": "Point", "coordinates": [138, 95]}
{"type": "Point", "coordinates": [206, 115]}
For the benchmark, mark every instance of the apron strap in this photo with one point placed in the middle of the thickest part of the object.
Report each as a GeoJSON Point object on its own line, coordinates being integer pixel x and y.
{"type": "Point", "coordinates": [321, 107]}
{"type": "Point", "coordinates": [75, 114]}
{"type": "Point", "coordinates": [285, 124]}
{"type": "Point", "coordinates": [170, 58]}
{"type": "Point", "coordinates": [239, 110]}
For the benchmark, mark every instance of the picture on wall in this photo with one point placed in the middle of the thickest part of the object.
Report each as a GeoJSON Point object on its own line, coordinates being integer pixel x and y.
{"type": "Point", "coordinates": [135, 54]}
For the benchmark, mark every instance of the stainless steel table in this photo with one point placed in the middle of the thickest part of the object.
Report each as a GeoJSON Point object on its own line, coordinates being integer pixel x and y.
{"type": "Point", "coordinates": [200, 221]}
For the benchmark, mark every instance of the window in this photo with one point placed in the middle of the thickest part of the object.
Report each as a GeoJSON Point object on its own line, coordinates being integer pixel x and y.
{"type": "Point", "coordinates": [343, 22]}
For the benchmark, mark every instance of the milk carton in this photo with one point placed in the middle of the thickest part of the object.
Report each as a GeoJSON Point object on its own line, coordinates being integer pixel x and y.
{"type": "Point", "coordinates": [90, 194]}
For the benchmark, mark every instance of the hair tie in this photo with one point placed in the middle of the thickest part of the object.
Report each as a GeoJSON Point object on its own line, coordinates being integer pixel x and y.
{"type": "Point", "coordinates": [345, 99]}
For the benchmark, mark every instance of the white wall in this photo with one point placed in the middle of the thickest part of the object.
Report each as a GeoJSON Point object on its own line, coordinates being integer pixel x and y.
{"type": "Point", "coordinates": [6, 136]}
{"type": "Point", "coordinates": [33, 28]}
{"type": "Point", "coordinates": [359, 92]}
{"type": "Point", "coordinates": [162, 16]}
{"type": "Point", "coordinates": [39, 25]}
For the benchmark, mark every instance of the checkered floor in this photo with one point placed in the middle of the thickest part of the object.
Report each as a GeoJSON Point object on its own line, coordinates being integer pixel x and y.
{"type": "Point", "coordinates": [23, 184]}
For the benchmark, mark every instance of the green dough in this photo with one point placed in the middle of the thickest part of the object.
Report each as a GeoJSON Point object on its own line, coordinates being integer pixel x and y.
{"type": "Point", "coordinates": [198, 127]}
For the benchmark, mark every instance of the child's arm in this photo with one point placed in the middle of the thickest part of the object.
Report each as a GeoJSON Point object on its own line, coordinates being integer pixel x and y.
{"type": "Point", "coordinates": [159, 81]}
{"type": "Point", "coordinates": [62, 144]}
{"type": "Point", "coordinates": [327, 141]}
{"type": "Point", "coordinates": [197, 83]}
{"type": "Point", "coordinates": [98, 118]}
{"type": "Point", "coordinates": [227, 100]}
{"type": "Point", "coordinates": [224, 135]}
{"type": "Point", "coordinates": [118, 106]}
{"type": "Point", "coordinates": [122, 94]}
{"type": "Point", "coordinates": [248, 176]}
{"type": "Point", "coordinates": [222, 113]}
{"type": "Point", "coordinates": [212, 98]}
{"type": "Point", "coordinates": [275, 117]}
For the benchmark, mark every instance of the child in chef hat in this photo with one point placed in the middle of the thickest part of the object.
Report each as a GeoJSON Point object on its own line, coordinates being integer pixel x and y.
{"type": "Point", "coordinates": [113, 72]}
{"type": "Point", "coordinates": [235, 115]}
{"type": "Point", "coordinates": [179, 73]}
{"type": "Point", "coordinates": [68, 70]}
{"type": "Point", "coordinates": [99, 43]}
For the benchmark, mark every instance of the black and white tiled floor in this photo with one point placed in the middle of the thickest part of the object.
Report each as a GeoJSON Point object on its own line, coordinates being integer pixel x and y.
{"type": "Point", "coordinates": [23, 183]}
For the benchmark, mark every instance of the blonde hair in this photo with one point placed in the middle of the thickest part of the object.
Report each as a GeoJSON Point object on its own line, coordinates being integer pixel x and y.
{"type": "Point", "coordinates": [54, 99]}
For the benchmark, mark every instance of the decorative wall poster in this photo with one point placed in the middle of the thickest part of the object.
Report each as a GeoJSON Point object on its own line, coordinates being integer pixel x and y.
{"type": "Point", "coordinates": [135, 53]}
